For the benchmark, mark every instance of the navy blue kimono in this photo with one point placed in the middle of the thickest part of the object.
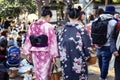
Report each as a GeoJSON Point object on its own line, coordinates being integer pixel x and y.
{"type": "Point", "coordinates": [74, 44]}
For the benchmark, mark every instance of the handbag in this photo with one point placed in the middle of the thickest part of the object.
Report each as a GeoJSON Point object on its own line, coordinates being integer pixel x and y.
{"type": "Point", "coordinates": [55, 75]}
{"type": "Point", "coordinates": [13, 72]}
{"type": "Point", "coordinates": [112, 62]}
{"type": "Point", "coordinates": [93, 57]}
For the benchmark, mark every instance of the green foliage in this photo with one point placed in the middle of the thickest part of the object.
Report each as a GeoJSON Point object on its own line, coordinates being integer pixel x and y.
{"type": "Point", "coordinates": [116, 1]}
{"type": "Point", "coordinates": [11, 11]}
{"type": "Point", "coordinates": [16, 7]}
{"type": "Point", "coordinates": [109, 1]}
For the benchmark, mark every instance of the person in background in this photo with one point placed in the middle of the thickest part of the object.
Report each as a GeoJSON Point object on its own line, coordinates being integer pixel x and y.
{"type": "Point", "coordinates": [72, 56]}
{"type": "Point", "coordinates": [104, 52]}
{"type": "Point", "coordinates": [3, 58]}
{"type": "Point", "coordinates": [82, 18]}
{"type": "Point", "coordinates": [115, 42]}
{"type": "Point", "coordinates": [3, 52]}
{"type": "Point", "coordinates": [19, 38]}
{"type": "Point", "coordinates": [13, 54]}
{"type": "Point", "coordinates": [100, 11]}
{"type": "Point", "coordinates": [95, 8]}
{"type": "Point", "coordinates": [91, 19]}
{"type": "Point", "coordinates": [4, 34]}
{"type": "Point", "coordinates": [1, 26]}
{"type": "Point", "coordinates": [7, 22]}
{"type": "Point", "coordinates": [117, 15]}
{"type": "Point", "coordinates": [42, 56]}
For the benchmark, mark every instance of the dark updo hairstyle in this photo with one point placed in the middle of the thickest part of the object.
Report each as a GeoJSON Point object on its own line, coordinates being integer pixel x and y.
{"type": "Point", "coordinates": [74, 13]}
{"type": "Point", "coordinates": [46, 11]}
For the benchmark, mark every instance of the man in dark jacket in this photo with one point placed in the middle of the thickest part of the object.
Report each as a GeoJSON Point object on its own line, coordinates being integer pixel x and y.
{"type": "Point", "coordinates": [104, 52]}
{"type": "Point", "coordinates": [115, 42]}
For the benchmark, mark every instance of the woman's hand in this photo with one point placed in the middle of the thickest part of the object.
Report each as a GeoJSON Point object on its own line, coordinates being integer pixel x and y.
{"type": "Point", "coordinates": [54, 60]}
{"type": "Point", "coordinates": [29, 58]}
{"type": "Point", "coordinates": [5, 56]}
{"type": "Point", "coordinates": [116, 53]}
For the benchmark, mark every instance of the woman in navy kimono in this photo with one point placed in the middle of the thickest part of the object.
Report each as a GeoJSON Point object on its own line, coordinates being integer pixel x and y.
{"type": "Point", "coordinates": [74, 44]}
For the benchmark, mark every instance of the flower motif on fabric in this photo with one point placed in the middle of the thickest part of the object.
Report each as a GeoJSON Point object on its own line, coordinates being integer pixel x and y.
{"type": "Point", "coordinates": [65, 30]}
{"type": "Point", "coordinates": [72, 39]}
{"type": "Point", "coordinates": [63, 54]}
{"type": "Point", "coordinates": [83, 77]}
{"type": "Point", "coordinates": [77, 34]}
{"type": "Point", "coordinates": [79, 42]}
{"type": "Point", "coordinates": [77, 65]}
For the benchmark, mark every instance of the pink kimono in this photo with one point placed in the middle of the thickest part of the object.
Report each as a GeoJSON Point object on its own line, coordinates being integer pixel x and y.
{"type": "Point", "coordinates": [41, 56]}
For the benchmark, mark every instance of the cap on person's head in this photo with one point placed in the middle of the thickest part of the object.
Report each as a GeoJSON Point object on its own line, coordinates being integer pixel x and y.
{"type": "Point", "coordinates": [110, 9]}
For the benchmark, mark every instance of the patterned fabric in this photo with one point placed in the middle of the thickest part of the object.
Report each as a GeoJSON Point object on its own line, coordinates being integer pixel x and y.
{"type": "Point", "coordinates": [41, 56]}
{"type": "Point", "coordinates": [73, 55]}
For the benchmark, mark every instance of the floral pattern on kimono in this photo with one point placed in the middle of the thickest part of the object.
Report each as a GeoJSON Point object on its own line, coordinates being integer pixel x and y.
{"type": "Point", "coordinates": [41, 56]}
{"type": "Point", "coordinates": [72, 55]}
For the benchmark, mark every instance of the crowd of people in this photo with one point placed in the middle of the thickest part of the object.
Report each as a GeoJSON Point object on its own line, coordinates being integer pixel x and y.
{"type": "Point", "coordinates": [72, 43]}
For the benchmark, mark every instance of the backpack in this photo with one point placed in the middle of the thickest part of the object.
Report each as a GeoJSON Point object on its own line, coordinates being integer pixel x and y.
{"type": "Point", "coordinates": [99, 31]}
{"type": "Point", "coordinates": [13, 56]}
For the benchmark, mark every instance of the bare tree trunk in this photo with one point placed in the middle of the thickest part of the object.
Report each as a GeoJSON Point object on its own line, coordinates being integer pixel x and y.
{"type": "Point", "coordinates": [41, 3]}
{"type": "Point", "coordinates": [46, 2]}
{"type": "Point", "coordinates": [106, 2]}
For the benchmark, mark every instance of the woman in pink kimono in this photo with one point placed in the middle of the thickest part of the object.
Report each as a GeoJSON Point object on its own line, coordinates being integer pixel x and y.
{"type": "Point", "coordinates": [42, 56]}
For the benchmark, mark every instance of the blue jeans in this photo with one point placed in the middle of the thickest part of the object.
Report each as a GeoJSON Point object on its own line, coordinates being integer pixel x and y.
{"type": "Point", "coordinates": [104, 56]}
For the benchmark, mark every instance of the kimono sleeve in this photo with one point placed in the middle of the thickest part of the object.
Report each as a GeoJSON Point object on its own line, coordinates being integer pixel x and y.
{"type": "Point", "coordinates": [86, 42]}
{"type": "Point", "coordinates": [27, 45]}
{"type": "Point", "coordinates": [53, 43]}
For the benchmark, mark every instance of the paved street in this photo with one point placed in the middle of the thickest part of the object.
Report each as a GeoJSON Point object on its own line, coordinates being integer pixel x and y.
{"type": "Point", "coordinates": [95, 76]}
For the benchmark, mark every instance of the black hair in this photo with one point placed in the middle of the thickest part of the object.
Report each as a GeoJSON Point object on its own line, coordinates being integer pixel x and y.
{"type": "Point", "coordinates": [46, 11]}
{"type": "Point", "coordinates": [4, 32]}
{"type": "Point", "coordinates": [74, 13]}
{"type": "Point", "coordinates": [81, 13]}
{"type": "Point", "coordinates": [100, 11]}
{"type": "Point", "coordinates": [91, 17]}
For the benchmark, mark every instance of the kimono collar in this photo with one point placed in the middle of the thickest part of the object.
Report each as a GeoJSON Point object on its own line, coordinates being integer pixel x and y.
{"type": "Point", "coordinates": [70, 24]}
{"type": "Point", "coordinates": [40, 21]}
